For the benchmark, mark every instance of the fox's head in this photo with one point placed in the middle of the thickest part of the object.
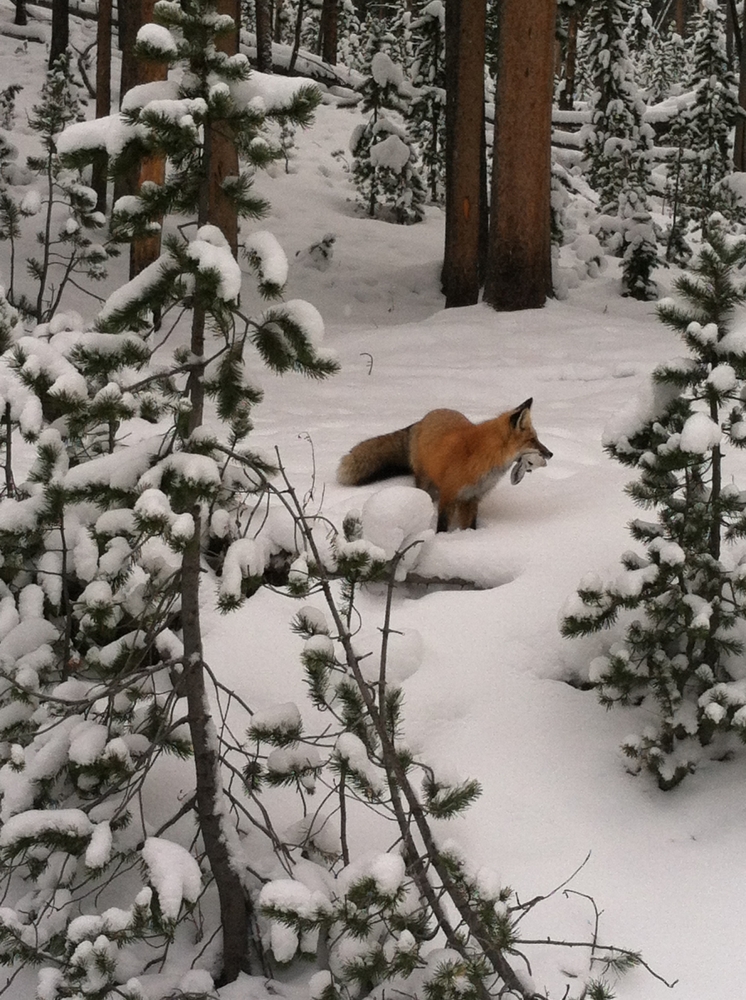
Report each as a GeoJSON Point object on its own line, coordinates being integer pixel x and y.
{"type": "Point", "coordinates": [523, 437]}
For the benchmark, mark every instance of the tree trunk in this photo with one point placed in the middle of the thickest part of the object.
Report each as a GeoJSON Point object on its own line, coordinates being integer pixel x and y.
{"type": "Point", "coordinates": [465, 200]}
{"type": "Point", "coordinates": [103, 93]}
{"type": "Point", "coordinates": [145, 249]}
{"type": "Point", "coordinates": [60, 30]}
{"type": "Point", "coordinates": [519, 271]}
{"type": "Point", "coordinates": [220, 148]}
{"type": "Point", "coordinates": [680, 17]}
{"type": "Point", "coordinates": [278, 19]}
{"type": "Point", "coordinates": [130, 16]}
{"type": "Point", "coordinates": [214, 208]}
{"type": "Point", "coordinates": [328, 28]}
{"type": "Point", "coordinates": [21, 15]}
{"type": "Point", "coordinates": [234, 912]}
{"type": "Point", "coordinates": [264, 36]}
{"type": "Point", "coordinates": [567, 97]}
{"type": "Point", "coordinates": [739, 146]}
{"type": "Point", "coordinates": [296, 38]}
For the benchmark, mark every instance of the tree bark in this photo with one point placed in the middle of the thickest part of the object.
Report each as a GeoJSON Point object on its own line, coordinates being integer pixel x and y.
{"type": "Point", "coordinates": [60, 30]}
{"type": "Point", "coordinates": [103, 93]}
{"type": "Point", "coordinates": [680, 17]}
{"type": "Point", "coordinates": [21, 16]}
{"type": "Point", "coordinates": [130, 14]}
{"type": "Point", "coordinates": [234, 912]}
{"type": "Point", "coordinates": [465, 200]}
{"type": "Point", "coordinates": [328, 29]}
{"type": "Point", "coordinates": [220, 152]}
{"type": "Point", "coordinates": [296, 38]}
{"type": "Point", "coordinates": [739, 145]}
{"type": "Point", "coordinates": [145, 249]}
{"type": "Point", "coordinates": [219, 155]}
{"type": "Point", "coordinates": [567, 97]}
{"type": "Point", "coordinates": [519, 271]}
{"type": "Point", "coordinates": [263, 11]}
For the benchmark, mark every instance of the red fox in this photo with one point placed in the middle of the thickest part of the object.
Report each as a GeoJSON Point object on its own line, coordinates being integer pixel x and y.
{"type": "Point", "coordinates": [455, 461]}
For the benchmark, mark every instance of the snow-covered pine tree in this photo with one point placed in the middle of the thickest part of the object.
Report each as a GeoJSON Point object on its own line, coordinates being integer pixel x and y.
{"type": "Point", "coordinates": [426, 112]}
{"type": "Point", "coordinates": [385, 167]}
{"type": "Point", "coordinates": [616, 148]}
{"type": "Point", "coordinates": [617, 142]}
{"type": "Point", "coordinates": [65, 205]}
{"type": "Point", "coordinates": [8, 104]}
{"type": "Point", "coordinates": [103, 547]}
{"type": "Point", "coordinates": [639, 28]}
{"type": "Point", "coordinates": [706, 161]}
{"type": "Point", "coordinates": [681, 657]}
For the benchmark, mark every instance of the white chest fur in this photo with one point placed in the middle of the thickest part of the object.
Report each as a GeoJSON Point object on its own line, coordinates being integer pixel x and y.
{"type": "Point", "coordinates": [475, 491]}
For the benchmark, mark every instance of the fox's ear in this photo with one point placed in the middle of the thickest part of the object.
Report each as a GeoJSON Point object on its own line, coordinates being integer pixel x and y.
{"type": "Point", "coordinates": [516, 417]}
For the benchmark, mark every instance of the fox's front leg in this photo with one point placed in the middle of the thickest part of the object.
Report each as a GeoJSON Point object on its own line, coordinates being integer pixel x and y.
{"type": "Point", "coordinates": [459, 514]}
{"type": "Point", "coordinates": [465, 514]}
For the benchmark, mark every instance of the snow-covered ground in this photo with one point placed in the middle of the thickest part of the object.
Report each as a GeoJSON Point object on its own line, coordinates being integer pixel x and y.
{"type": "Point", "coordinates": [490, 698]}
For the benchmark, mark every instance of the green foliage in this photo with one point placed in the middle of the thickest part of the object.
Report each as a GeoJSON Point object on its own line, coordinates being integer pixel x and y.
{"type": "Point", "coordinates": [385, 167]}
{"type": "Point", "coordinates": [93, 540]}
{"type": "Point", "coordinates": [618, 143]}
{"type": "Point", "coordinates": [8, 104]}
{"type": "Point", "coordinates": [425, 114]}
{"type": "Point", "coordinates": [706, 125]}
{"type": "Point", "coordinates": [677, 658]}
{"type": "Point", "coordinates": [67, 207]}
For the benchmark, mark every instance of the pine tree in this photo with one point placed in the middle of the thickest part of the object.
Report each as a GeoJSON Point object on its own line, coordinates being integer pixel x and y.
{"type": "Point", "coordinates": [385, 167]}
{"type": "Point", "coordinates": [65, 205]}
{"type": "Point", "coordinates": [617, 148]}
{"type": "Point", "coordinates": [707, 125]}
{"type": "Point", "coordinates": [678, 654]}
{"type": "Point", "coordinates": [617, 143]}
{"type": "Point", "coordinates": [102, 565]}
{"type": "Point", "coordinates": [426, 112]}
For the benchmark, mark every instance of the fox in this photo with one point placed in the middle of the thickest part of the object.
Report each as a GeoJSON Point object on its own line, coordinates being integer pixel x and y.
{"type": "Point", "coordinates": [454, 460]}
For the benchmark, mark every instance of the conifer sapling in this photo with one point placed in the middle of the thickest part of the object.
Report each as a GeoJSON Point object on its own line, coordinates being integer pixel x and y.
{"type": "Point", "coordinates": [681, 649]}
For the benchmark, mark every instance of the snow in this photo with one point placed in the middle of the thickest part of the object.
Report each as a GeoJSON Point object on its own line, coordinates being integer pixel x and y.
{"type": "Point", "coordinates": [399, 519]}
{"type": "Point", "coordinates": [699, 434]}
{"type": "Point", "coordinates": [384, 71]}
{"type": "Point", "coordinates": [210, 250]}
{"type": "Point", "coordinates": [157, 37]}
{"type": "Point", "coordinates": [35, 821]}
{"type": "Point", "coordinates": [391, 152]}
{"type": "Point", "coordinates": [174, 874]}
{"type": "Point", "coordinates": [264, 248]}
{"type": "Point", "coordinates": [486, 689]}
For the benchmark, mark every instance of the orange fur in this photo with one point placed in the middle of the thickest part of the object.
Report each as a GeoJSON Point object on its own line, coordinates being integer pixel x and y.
{"type": "Point", "coordinates": [456, 461]}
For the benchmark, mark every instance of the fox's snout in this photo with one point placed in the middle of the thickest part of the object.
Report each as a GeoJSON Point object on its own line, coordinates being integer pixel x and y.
{"type": "Point", "coordinates": [544, 452]}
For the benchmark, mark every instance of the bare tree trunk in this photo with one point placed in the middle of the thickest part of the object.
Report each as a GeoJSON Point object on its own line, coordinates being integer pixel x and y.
{"type": "Point", "coordinates": [328, 29]}
{"type": "Point", "coordinates": [130, 15]}
{"type": "Point", "coordinates": [221, 153]}
{"type": "Point", "coordinates": [296, 39]}
{"type": "Point", "coordinates": [234, 911]}
{"type": "Point", "coordinates": [145, 249]}
{"type": "Point", "coordinates": [263, 11]}
{"type": "Point", "coordinates": [519, 271]}
{"type": "Point", "coordinates": [567, 97]}
{"type": "Point", "coordinates": [465, 197]}
{"type": "Point", "coordinates": [278, 19]}
{"type": "Point", "coordinates": [103, 93]}
{"type": "Point", "coordinates": [21, 16]}
{"type": "Point", "coordinates": [739, 146]}
{"type": "Point", "coordinates": [680, 17]}
{"type": "Point", "coordinates": [60, 30]}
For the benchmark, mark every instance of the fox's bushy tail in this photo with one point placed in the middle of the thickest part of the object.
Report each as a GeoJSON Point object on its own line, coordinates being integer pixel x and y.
{"type": "Point", "coordinates": [376, 458]}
